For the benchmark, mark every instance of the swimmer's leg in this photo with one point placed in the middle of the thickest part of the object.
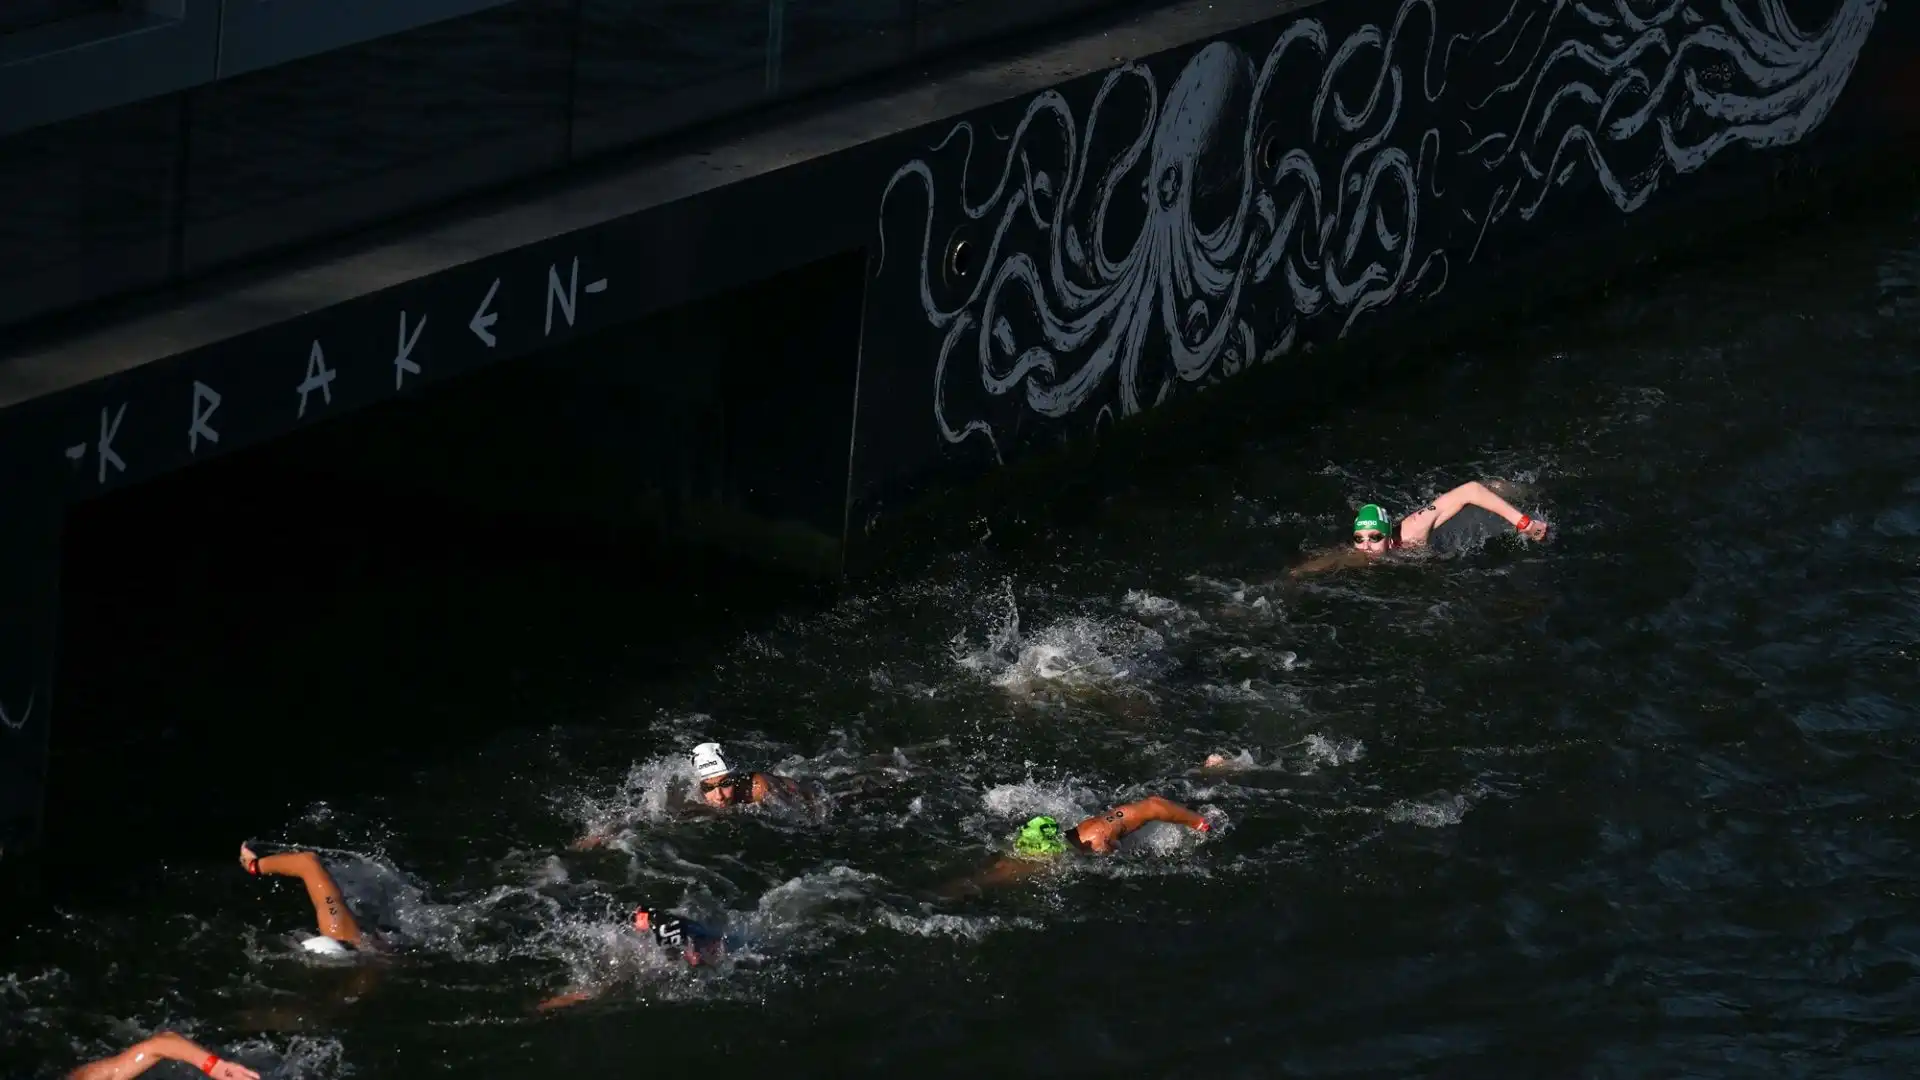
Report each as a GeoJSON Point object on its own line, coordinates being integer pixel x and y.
{"type": "Point", "coordinates": [329, 905]}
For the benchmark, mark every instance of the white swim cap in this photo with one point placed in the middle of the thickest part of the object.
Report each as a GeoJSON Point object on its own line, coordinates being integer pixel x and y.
{"type": "Point", "coordinates": [325, 946]}
{"type": "Point", "coordinates": [707, 762]}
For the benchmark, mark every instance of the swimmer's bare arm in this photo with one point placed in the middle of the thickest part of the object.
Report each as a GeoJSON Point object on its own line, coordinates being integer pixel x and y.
{"type": "Point", "coordinates": [1337, 559]}
{"type": "Point", "coordinates": [1125, 819]}
{"type": "Point", "coordinates": [765, 784]}
{"type": "Point", "coordinates": [329, 904]}
{"type": "Point", "coordinates": [1475, 493]}
{"type": "Point", "coordinates": [1004, 872]}
{"type": "Point", "coordinates": [561, 1001]}
{"type": "Point", "coordinates": [144, 1055]}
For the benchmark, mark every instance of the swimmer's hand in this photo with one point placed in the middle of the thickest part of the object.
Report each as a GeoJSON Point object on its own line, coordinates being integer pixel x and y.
{"type": "Point", "coordinates": [561, 1001]}
{"type": "Point", "coordinates": [1535, 530]}
{"type": "Point", "coordinates": [248, 860]}
{"type": "Point", "coordinates": [589, 842]}
{"type": "Point", "coordinates": [233, 1070]}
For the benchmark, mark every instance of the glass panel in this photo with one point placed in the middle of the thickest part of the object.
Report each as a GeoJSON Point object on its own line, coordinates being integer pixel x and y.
{"type": "Point", "coordinates": [826, 41]}
{"type": "Point", "coordinates": [350, 136]}
{"type": "Point", "coordinates": [943, 24]}
{"type": "Point", "coordinates": [649, 66]}
{"type": "Point", "coordinates": [90, 207]}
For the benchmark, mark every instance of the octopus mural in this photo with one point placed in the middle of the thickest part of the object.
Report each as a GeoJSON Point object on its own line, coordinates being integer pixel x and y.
{"type": "Point", "coordinates": [1642, 91]}
{"type": "Point", "coordinates": [1239, 210]}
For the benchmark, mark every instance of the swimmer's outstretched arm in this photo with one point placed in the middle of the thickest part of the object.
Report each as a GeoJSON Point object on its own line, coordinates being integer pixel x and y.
{"type": "Point", "coordinates": [329, 906]}
{"type": "Point", "coordinates": [1154, 808]}
{"type": "Point", "coordinates": [165, 1046]}
{"type": "Point", "coordinates": [1475, 493]}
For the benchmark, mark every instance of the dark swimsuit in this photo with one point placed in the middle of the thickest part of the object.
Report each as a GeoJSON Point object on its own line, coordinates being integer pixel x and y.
{"type": "Point", "coordinates": [1468, 529]}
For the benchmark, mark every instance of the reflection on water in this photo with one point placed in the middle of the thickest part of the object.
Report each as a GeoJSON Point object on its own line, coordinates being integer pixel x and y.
{"type": "Point", "coordinates": [1636, 802]}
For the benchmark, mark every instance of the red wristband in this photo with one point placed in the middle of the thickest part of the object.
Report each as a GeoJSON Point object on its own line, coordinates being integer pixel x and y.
{"type": "Point", "coordinates": [1203, 826]}
{"type": "Point", "coordinates": [207, 1065]}
{"type": "Point", "coordinates": [1521, 525]}
{"type": "Point", "coordinates": [254, 867]}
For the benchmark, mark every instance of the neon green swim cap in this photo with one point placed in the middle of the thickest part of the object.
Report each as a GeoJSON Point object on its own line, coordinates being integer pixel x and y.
{"type": "Point", "coordinates": [1038, 837]}
{"type": "Point", "coordinates": [1370, 519]}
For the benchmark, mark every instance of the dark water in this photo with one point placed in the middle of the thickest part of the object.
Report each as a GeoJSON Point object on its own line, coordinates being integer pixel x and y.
{"type": "Point", "coordinates": [1640, 802]}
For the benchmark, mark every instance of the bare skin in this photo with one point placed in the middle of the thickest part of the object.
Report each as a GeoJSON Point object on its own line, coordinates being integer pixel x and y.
{"type": "Point", "coordinates": [715, 793]}
{"type": "Point", "coordinates": [1415, 528]}
{"type": "Point", "coordinates": [166, 1046]}
{"type": "Point", "coordinates": [694, 953]}
{"type": "Point", "coordinates": [1100, 834]}
{"type": "Point", "coordinates": [329, 904]}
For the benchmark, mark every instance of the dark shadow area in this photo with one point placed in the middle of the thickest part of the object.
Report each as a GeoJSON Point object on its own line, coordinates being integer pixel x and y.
{"type": "Point", "coordinates": [319, 617]}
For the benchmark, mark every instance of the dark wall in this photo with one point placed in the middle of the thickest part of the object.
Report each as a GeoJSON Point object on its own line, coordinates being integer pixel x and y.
{"type": "Point", "coordinates": [173, 187]}
{"type": "Point", "coordinates": [1058, 265]}
{"type": "Point", "coordinates": [1042, 270]}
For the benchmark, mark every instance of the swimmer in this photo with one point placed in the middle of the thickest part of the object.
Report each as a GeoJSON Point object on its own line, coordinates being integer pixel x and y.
{"type": "Point", "coordinates": [722, 787]}
{"type": "Point", "coordinates": [165, 1046]}
{"type": "Point", "coordinates": [1041, 838]}
{"type": "Point", "coordinates": [695, 943]}
{"type": "Point", "coordinates": [339, 933]}
{"type": "Point", "coordinates": [1471, 510]}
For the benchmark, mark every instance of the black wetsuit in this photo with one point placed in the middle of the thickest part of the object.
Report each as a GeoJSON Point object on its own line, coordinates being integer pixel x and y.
{"type": "Point", "coordinates": [683, 935]}
{"type": "Point", "coordinates": [1468, 529]}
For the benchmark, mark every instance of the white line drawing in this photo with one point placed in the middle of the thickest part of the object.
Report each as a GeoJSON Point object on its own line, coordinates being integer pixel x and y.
{"type": "Point", "coordinates": [17, 725]}
{"type": "Point", "coordinates": [103, 450]}
{"type": "Point", "coordinates": [482, 318]}
{"type": "Point", "coordinates": [76, 453]}
{"type": "Point", "coordinates": [403, 364]}
{"type": "Point", "coordinates": [1631, 96]}
{"type": "Point", "coordinates": [599, 286]}
{"type": "Point", "coordinates": [205, 400]}
{"type": "Point", "coordinates": [319, 377]}
{"type": "Point", "coordinates": [1342, 237]}
{"type": "Point", "coordinates": [1333, 192]}
{"type": "Point", "coordinates": [567, 298]}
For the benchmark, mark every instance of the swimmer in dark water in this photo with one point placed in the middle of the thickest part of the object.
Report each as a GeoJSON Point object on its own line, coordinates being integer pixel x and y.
{"type": "Point", "coordinates": [695, 943]}
{"type": "Point", "coordinates": [1471, 511]}
{"type": "Point", "coordinates": [1041, 838]}
{"type": "Point", "coordinates": [721, 787]}
{"type": "Point", "coordinates": [339, 933]}
{"type": "Point", "coordinates": [165, 1046]}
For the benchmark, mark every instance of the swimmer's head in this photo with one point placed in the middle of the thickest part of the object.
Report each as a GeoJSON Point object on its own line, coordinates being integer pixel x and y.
{"type": "Point", "coordinates": [1370, 533]}
{"type": "Point", "coordinates": [707, 762]}
{"type": "Point", "coordinates": [1039, 837]}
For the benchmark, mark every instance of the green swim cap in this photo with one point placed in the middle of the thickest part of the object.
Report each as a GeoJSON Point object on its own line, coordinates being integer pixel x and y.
{"type": "Point", "coordinates": [1370, 519]}
{"type": "Point", "coordinates": [1039, 836]}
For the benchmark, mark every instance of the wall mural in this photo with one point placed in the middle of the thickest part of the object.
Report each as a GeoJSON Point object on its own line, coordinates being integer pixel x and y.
{"type": "Point", "coordinates": [11, 723]}
{"type": "Point", "coordinates": [1116, 264]}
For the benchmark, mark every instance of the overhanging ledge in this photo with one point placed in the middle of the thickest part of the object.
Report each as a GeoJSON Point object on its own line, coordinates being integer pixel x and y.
{"type": "Point", "coordinates": [648, 230]}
